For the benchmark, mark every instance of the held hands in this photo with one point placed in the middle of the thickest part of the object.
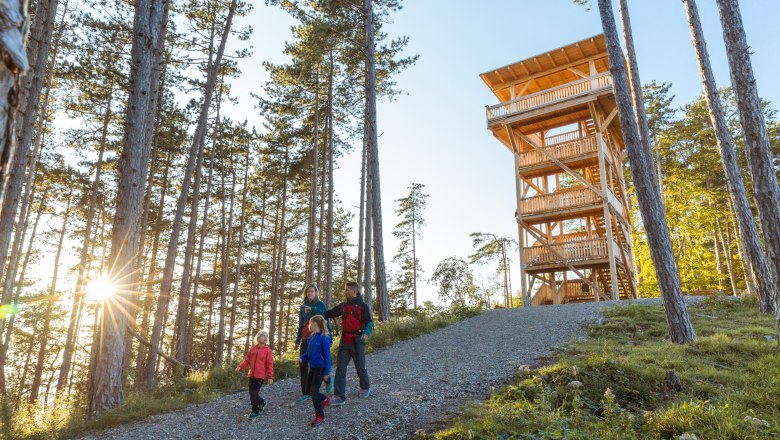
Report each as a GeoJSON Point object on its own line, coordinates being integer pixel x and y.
{"type": "Point", "coordinates": [307, 309]}
{"type": "Point", "coordinates": [364, 337]}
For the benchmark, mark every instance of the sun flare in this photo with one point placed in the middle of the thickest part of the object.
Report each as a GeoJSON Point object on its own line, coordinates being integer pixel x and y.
{"type": "Point", "coordinates": [100, 289]}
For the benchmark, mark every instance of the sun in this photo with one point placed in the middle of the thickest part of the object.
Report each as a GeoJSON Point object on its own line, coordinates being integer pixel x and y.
{"type": "Point", "coordinates": [100, 289]}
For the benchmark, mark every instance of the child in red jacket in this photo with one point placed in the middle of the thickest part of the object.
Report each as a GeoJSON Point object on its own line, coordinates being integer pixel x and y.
{"type": "Point", "coordinates": [260, 361]}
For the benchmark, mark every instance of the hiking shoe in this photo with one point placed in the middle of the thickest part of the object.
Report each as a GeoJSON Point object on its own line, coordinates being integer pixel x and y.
{"type": "Point", "coordinates": [262, 408]}
{"type": "Point", "coordinates": [365, 393]}
{"type": "Point", "coordinates": [304, 397]}
{"type": "Point", "coordinates": [325, 402]}
{"type": "Point", "coordinates": [255, 414]}
{"type": "Point", "coordinates": [338, 401]}
{"type": "Point", "coordinates": [318, 419]}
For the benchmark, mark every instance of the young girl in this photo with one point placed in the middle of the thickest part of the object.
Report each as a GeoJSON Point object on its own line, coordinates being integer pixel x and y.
{"type": "Point", "coordinates": [260, 361]}
{"type": "Point", "coordinates": [318, 356]}
{"type": "Point", "coordinates": [312, 306]}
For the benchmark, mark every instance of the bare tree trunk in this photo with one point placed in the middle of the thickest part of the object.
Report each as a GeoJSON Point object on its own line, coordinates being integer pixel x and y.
{"type": "Point", "coordinates": [173, 243]}
{"type": "Point", "coordinates": [81, 281]}
{"type": "Point", "coordinates": [362, 222]}
{"type": "Point", "coordinates": [14, 16]}
{"type": "Point", "coordinates": [105, 384]}
{"type": "Point", "coordinates": [310, 237]}
{"type": "Point", "coordinates": [726, 251]}
{"type": "Point", "coordinates": [43, 338]}
{"type": "Point", "coordinates": [203, 230]}
{"type": "Point", "coordinates": [751, 116]}
{"type": "Point", "coordinates": [140, 364]}
{"type": "Point", "coordinates": [16, 132]}
{"type": "Point", "coordinates": [226, 264]}
{"type": "Point", "coordinates": [373, 142]}
{"type": "Point", "coordinates": [367, 264]}
{"type": "Point", "coordinates": [331, 147]}
{"type": "Point", "coordinates": [276, 286]}
{"type": "Point", "coordinates": [239, 256]}
{"type": "Point", "coordinates": [650, 204]}
{"type": "Point", "coordinates": [748, 234]}
{"type": "Point", "coordinates": [321, 245]}
{"type": "Point", "coordinates": [636, 84]}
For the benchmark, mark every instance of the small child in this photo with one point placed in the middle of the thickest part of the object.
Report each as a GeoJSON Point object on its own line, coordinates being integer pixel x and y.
{"type": "Point", "coordinates": [318, 356]}
{"type": "Point", "coordinates": [260, 361]}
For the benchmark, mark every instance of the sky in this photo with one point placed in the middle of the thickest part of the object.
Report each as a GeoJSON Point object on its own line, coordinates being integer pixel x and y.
{"type": "Point", "coordinates": [435, 133]}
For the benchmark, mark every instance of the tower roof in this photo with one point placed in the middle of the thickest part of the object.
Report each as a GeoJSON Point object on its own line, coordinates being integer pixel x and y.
{"type": "Point", "coordinates": [559, 66]}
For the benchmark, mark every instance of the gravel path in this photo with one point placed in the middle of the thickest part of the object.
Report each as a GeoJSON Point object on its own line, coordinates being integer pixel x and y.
{"type": "Point", "coordinates": [413, 382]}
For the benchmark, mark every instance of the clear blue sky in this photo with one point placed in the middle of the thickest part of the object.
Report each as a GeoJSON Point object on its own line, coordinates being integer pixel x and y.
{"type": "Point", "coordinates": [436, 133]}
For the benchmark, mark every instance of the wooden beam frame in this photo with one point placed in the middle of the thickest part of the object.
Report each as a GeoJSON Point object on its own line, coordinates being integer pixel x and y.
{"type": "Point", "coordinates": [563, 260]}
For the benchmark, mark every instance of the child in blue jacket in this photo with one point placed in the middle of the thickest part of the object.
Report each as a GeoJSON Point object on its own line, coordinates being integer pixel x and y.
{"type": "Point", "coordinates": [318, 356]}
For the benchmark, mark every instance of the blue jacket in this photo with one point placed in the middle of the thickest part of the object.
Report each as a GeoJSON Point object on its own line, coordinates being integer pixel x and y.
{"type": "Point", "coordinates": [318, 352]}
{"type": "Point", "coordinates": [317, 308]}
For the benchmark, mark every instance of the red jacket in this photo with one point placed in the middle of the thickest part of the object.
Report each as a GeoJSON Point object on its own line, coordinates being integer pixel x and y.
{"type": "Point", "coordinates": [260, 361]}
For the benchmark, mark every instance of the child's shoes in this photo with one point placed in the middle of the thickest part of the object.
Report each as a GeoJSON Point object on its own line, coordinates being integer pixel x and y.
{"type": "Point", "coordinates": [318, 419]}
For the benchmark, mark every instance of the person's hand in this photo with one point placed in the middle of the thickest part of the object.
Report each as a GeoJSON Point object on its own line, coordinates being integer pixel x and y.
{"type": "Point", "coordinates": [365, 338]}
{"type": "Point", "coordinates": [326, 377]}
{"type": "Point", "coordinates": [238, 369]}
{"type": "Point", "coordinates": [270, 381]}
{"type": "Point", "coordinates": [307, 309]}
{"type": "Point", "coordinates": [298, 361]}
{"type": "Point", "coordinates": [296, 346]}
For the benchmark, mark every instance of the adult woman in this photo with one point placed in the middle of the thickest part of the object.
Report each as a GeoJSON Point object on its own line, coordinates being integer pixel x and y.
{"type": "Point", "coordinates": [311, 306]}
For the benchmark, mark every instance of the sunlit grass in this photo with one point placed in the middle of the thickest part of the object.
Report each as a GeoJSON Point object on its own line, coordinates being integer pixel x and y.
{"type": "Point", "coordinates": [731, 379]}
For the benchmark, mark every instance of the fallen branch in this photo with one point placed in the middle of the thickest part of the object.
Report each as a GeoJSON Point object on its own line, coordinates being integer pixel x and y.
{"type": "Point", "coordinates": [148, 345]}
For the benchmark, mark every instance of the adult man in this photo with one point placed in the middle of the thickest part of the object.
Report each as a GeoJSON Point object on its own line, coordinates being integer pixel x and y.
{"type": "Point", "coordinates": [356, 327]}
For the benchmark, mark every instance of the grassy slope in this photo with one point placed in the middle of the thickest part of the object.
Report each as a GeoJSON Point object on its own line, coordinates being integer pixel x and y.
{"type": "Point", "coordinates": [730, 374]}
{"type": "Point", "coordinates": [62, 420]}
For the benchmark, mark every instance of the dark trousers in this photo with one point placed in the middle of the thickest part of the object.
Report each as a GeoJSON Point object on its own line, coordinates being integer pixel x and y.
{"type": "Point", "coordinates": [304, 367]}
{"type": "Point", "coordinates": [314, 384]}
{"type": "Point", "coordinates": [356, 352]}
{"type": "Point", "coordinates": [254, 394]}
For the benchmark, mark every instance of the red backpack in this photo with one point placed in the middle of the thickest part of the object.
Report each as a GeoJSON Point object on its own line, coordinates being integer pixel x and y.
{"type": "Point", "coordinates": [352, 323]}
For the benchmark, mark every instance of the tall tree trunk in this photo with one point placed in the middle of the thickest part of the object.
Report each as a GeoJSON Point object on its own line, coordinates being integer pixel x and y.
{"type": "Point", "coordinates": [321, 238]}
{"type": "Point", "coordinates": [636, 84]}
{"type": "Point", "coordinates": [184, 307]}
{"type": "Point", "coordinates": [140, 360]}
{"type": "Point", "coordinates": [367, 264]}
{"type": "Point", "coordinates": [14, 14]}
{"type": "Point", "coordinates": [748, 234]}
{"type": "Point", "coordinates": [43, 338]}
{"type": "Point", "coordinates": [278, 248]}
{"type": "Point", "coordinates": [105, 385]}
{"type": "Point", "coordinates": [173, 244]}
{"type": "Point", "coordinates": [226, 264]}
{"type": "Point", "coordinates": [751, 116]}
{"type": "Point", "coordinates": [239, 256]}
{"type": "Point", "coordinates": [21, 89]}
{"type": "Point", "coordinates": [81, 282]}
{"type": "Point", "coordinates": [312, 229]}
{"type": "Point", "coordinates": [373, 142]}
{"type": "Point", "coordinates": [362, 221]}
{"type": "Point", "coordinates": [331, 147]}
{"type": "Point", "coordinates": [650, 205]}
{"type": "Point", "coordinates": [414, 252]}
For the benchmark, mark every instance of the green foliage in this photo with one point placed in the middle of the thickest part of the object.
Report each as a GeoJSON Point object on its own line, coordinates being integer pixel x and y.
{"type": "Point", "coordinates": [730, 377]}
{"type": "Point", "coordinates": [456, 283]}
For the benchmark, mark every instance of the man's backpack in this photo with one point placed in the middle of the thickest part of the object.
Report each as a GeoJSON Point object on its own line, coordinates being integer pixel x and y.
{"type": "Point", "coordinates": [352, 323]}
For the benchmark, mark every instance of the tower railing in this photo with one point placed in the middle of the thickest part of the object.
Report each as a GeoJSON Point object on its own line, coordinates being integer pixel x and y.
{"type": "Point", "coordinates": [571, 251]}
{"type": "Point", "coordinates": [561, 151]}
{"type": "Point", "coordinates": [549, 96]}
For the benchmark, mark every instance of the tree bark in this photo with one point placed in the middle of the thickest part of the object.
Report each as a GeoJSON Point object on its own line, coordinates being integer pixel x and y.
{"type": "Point", "coordinates": [311, 233]}
{"type": "Point", "coordinates": [650, 205]}
{"type": "Point", "coordinates": [748, 233]}
{"type": "Point", "coordinates": [331, 147]}
{"type": "Point", "coordinates": [751, 116]}
{"type": "Point", "coordinates": [16, 130]}
{"type": "Point", "coordinates": [105, 385]}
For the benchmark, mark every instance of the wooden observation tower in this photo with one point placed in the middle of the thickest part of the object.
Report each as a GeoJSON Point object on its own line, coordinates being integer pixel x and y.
{"type": "Point", "coordinates": [558, 117]}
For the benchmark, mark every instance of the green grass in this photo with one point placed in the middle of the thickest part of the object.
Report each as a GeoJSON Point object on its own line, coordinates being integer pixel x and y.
{"type": "Point", "coordinates": [65, 418]}
{"type": "Point", "coordinates": [731, 373]}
